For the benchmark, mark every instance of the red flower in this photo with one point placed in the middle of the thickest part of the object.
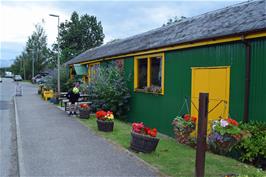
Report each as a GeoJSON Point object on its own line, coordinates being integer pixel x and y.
{"type": "Point", "coordinates": [141, 129]}
{"type": "Point", "coordinates": [85, 106]}
{"type": "Point", "coordinates": [186, 118]}
{"type": "Point", "coordinates": [147, 129]}
{"type": "Point", "coordinates": [232, 121]}
{"type": "Point", "coordinates": [137, 127]}
{"type": "Point", "coordinates": [153, 132]}
{"type": "Point", "coordinates": [194, 119]}
{"type": "Point", "coordinates": [101, 114]}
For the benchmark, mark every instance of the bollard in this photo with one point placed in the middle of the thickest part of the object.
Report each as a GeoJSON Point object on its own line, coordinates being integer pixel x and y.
{"type": "Point", "coordinates": [202, 133]}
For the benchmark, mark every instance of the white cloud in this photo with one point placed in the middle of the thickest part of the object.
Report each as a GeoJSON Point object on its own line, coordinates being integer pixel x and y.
{"type": "Point", "coordinates": [18, 20]}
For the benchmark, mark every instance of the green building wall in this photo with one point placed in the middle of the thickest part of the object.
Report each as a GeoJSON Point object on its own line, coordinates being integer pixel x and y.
{"type": "Point", "coordinates": [257, 104]}
{"type": "Point", "coordinates": [159, 110]}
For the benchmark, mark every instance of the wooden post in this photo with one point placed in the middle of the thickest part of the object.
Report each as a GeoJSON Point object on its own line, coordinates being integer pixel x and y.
{"type": "Point", "coordinates": [202, 133]}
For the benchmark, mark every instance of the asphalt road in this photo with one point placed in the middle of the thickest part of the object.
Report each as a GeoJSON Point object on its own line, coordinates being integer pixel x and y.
{"type": "Point", "coordinates": [8, 145]}
{"type": "Point", "coordinates": [51, 143]}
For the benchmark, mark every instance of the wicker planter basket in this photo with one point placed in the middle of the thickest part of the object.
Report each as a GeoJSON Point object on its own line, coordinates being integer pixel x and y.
{"type": "Point", "coordinates": [105, 126]}
{"type": "Point", "coordinates": [183, 136]}
{"type": "Point", "coordinates": [222, 146]}
{"type": "Point", "coordinates": [143, 143]}
{"type": "Point", "coordinates": [84, 114]}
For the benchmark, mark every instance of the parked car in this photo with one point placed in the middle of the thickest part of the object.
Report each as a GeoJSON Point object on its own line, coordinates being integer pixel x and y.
{"type": "Point", "coordinates": [38, 77]}
{"type": "Point", "coordinates": [44, 79]}
{"type": "Point", "coordinates": [17, 78]}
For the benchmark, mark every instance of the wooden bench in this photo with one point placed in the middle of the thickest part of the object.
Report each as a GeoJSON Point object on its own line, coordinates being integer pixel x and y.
{"type": "Point", "coordinates": [66, 101]}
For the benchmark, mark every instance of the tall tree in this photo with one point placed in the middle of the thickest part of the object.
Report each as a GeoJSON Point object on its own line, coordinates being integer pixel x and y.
{"type": "Point", "coordinates": [79, 34]}
{"type": "Point", "coordinates": [36, 49]}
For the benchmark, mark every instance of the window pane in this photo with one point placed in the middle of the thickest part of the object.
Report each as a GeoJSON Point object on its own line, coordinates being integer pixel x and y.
{"type": "Point", "coordinates": [156, 71]}
{"type": "Point", "coordinates": [93, 70]}
{"type": "Point", "coordinates": [142, 73]}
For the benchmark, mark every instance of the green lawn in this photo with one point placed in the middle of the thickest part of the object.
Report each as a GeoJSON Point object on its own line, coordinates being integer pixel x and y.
{"type": "Point", "coordinates": [175, 159]}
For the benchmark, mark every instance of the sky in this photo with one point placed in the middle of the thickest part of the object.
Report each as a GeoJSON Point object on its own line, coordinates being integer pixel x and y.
{"type": "Point", "coordinates": [120, 19]}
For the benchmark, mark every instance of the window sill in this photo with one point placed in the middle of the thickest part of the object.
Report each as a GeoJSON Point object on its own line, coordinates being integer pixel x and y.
{"type": "Point", "coordinates": [144, 91]}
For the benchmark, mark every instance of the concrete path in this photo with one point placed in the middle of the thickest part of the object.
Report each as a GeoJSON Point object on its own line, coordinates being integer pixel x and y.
{"type": "Point", "coordinates": [54, 144]}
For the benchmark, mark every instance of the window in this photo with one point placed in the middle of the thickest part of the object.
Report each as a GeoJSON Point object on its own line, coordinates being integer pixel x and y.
{"type": "Point", "coordinates": [142, 73]}
{"type": "Point", "coordinates": [156, 71]}
{"type": "Point", "coordinates": [149, 73]}
{"type": "Point", "coordinates": [92, 70]}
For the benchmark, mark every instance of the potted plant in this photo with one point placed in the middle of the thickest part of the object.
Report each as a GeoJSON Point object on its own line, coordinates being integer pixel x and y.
{"type": "Point", "coordinates": [84, 111]}
{"type": "Point", "coordinates": [183, 126]}
{"type": "Point", "coordinates": [105, 120]}
{"type": "Point", "coordinates": [224, 135]}
{"type": "Point", "coordinates": [143, 139]}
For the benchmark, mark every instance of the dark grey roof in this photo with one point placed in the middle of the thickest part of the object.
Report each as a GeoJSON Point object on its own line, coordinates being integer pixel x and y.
{"type": "Point", "coordinates": [236, 19]}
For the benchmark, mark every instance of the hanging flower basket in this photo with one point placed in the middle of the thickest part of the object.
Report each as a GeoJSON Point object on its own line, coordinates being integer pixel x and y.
{"type": "Point", "coordinates": [183, 127]}
{"type": "Point", "coordinates": [143, 143]}
{"type": "Point", "coordinates": [225, 134]}
{"type": "Point", "coordinates": [105, 120]}
{"type": "Point", "coordinates": [221, 144]}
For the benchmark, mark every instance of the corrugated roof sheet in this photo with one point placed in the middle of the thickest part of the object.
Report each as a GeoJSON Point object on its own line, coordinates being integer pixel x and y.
{"type": "Point", "coordinates": [237, 19]}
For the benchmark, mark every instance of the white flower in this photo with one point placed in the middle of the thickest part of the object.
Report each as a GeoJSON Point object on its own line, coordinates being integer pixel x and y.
{"type": "Point", "coordinates": [223, 123]}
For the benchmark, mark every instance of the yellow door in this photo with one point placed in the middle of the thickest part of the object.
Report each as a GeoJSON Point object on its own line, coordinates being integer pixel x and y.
{"type": "Point", "coordinates": [216, 82]}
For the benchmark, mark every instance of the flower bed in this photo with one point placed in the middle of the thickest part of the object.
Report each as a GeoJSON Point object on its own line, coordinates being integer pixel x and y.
{"type": "Point", "coordinates": [143, 139]}
{"type": "Point", "coordinates": [183, 127]}
{"type": "Point", "coordinates": [105, 120]}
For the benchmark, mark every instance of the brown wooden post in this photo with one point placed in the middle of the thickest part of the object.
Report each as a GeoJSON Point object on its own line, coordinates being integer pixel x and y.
{"type": "Point", "coordinates": [202, 133]}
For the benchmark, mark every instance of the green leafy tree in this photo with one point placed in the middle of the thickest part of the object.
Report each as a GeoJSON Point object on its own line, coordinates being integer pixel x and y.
{"type": "Point", "coordinates": [108, 90]}
{"type": "Point", "coordinates": [79, 34]}
{"type": "Point", "coordinates": [36, 49]}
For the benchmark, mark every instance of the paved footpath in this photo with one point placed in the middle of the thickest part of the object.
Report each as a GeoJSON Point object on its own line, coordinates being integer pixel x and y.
{"type": "Point", "coordinates": [54, 144]}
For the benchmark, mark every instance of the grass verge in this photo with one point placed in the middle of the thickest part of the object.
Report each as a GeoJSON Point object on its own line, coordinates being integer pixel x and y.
{"type": "Point", "coordinates": [175, 159]}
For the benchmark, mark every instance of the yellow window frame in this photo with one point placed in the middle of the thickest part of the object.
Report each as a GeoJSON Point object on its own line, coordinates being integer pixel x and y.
{"type": "Point", "coordinates": [148, 57]}
{"type": "Point", "coordinates": [71, 76]}
{"type": "Point", "coordinates": [89, 70]}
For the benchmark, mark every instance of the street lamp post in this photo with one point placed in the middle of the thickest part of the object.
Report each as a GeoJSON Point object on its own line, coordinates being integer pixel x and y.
{"type": "Point", "coordinates": [32, 64]}
{"type": "Point", "coordinates": [58, 55]}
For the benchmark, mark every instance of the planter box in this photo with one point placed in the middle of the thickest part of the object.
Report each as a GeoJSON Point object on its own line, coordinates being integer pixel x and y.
{"type": "Point", "coordinates": [105, 126]}
{"type": "Point", "coordinates": [143, 143]}
{"type": "Point", "coordinates": [84, 114]}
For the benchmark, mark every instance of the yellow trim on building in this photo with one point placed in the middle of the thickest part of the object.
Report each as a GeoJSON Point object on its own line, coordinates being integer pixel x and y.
{"type": "Point", "coordinates": [186, 45]}
{"type": "Point", "coordinates": [148, 57]}
{"type": "Point", "coordinates": [91, 62]}
{"type": "Point", "coordinates": [70, 72]}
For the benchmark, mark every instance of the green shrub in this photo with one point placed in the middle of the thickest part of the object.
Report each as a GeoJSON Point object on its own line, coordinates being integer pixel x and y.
{"type": "Point", "coordinates": [253, 148]}
{"type": "Point", "coordinates": [65, 83]}
{"type": "Point", "coordinates": [108, 90]}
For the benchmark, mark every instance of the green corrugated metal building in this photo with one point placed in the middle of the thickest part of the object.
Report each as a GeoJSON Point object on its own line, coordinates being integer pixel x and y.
{"type": "Point", "coordinates": [222, 52]}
